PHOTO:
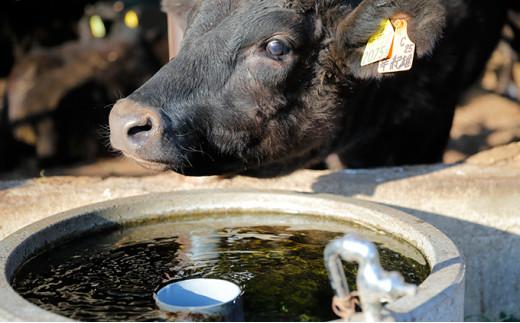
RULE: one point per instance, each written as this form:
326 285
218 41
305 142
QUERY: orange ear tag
379 44
403 51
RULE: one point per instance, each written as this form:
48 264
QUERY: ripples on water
111 276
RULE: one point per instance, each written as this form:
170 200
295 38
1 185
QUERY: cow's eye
277 48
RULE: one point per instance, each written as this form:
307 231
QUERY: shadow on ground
367 180
11 184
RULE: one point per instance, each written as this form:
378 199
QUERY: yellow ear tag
403 51
379 44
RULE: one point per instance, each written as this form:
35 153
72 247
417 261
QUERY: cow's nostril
136 129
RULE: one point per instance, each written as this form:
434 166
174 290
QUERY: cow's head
260 86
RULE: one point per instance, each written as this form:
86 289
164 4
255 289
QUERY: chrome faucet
375 285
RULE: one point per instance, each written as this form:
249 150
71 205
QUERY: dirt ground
485 120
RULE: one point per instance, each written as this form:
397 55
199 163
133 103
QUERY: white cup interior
199 292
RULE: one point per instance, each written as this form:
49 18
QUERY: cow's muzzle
137 131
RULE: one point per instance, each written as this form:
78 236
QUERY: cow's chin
206 165
152 165
215 169
286 166
275 169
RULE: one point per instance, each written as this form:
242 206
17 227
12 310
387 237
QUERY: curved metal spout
375 285
334 266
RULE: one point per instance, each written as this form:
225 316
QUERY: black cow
263 87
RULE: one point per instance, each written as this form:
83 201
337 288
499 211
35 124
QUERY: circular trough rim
445 260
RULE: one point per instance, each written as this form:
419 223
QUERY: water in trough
277 259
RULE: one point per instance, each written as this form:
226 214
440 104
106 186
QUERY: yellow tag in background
379 44
403 51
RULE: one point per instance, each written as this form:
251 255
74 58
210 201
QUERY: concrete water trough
440 297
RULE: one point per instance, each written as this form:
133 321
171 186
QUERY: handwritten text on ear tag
403 51
379 44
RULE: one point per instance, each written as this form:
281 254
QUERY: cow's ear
177 11
425 20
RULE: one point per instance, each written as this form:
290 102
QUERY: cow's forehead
211 6
300 5
228 15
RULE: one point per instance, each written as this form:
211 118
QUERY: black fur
230 108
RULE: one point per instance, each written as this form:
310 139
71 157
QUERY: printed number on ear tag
403 51
379 44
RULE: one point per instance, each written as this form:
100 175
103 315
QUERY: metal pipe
332 255
375 285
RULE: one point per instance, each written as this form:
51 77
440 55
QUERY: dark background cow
62 65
